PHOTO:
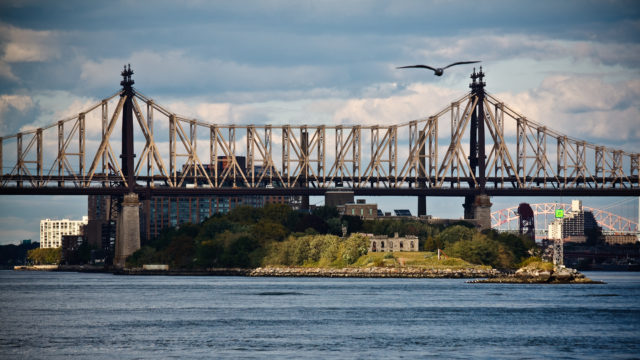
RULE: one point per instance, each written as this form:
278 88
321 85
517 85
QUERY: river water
46 315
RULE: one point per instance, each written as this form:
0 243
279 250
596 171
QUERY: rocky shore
373 272
536 276
522 276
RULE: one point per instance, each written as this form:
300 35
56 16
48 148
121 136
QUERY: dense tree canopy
276 235
45 256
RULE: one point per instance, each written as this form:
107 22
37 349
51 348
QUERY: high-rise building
51 231
573 224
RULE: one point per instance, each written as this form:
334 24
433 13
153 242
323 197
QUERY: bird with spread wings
438 71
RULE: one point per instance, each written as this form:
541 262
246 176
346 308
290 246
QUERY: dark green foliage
354 223
499 250
216 225
279 213
310 221
455 233
245 215
12 255
145 255
334 226
180 253
81 256
518 245
237 249
267 231
326 212
464 223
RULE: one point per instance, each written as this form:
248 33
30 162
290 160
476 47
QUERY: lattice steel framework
422 156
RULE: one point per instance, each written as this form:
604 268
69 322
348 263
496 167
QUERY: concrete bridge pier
478 208
127 229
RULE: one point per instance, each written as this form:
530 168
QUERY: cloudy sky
571 65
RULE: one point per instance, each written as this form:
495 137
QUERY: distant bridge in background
507 219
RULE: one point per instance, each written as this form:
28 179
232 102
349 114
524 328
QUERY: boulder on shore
533 275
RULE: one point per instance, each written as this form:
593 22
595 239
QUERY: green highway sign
559 213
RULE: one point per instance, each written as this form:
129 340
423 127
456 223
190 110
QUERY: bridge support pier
478 208
422 205
127 229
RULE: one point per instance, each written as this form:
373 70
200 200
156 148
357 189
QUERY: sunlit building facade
51 231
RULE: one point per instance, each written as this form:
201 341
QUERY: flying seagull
438 71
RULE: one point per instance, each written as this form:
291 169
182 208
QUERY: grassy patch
534 263
421 259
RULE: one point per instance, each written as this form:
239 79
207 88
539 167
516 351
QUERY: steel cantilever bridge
462 150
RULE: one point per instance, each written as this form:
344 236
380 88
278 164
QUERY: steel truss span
443 154
609 221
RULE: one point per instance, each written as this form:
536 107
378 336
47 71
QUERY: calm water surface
102 316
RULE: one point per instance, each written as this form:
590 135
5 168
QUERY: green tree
180 253
352 248
238 248
144 255
334 226
208 252
432 244
455 233
482 250
267 231
278 213
45 256
245 214
326 212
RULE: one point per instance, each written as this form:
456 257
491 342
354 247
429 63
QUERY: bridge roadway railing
425 156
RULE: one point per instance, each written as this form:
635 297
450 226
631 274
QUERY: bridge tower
478 206
128 222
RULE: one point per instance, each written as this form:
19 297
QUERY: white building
51 231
